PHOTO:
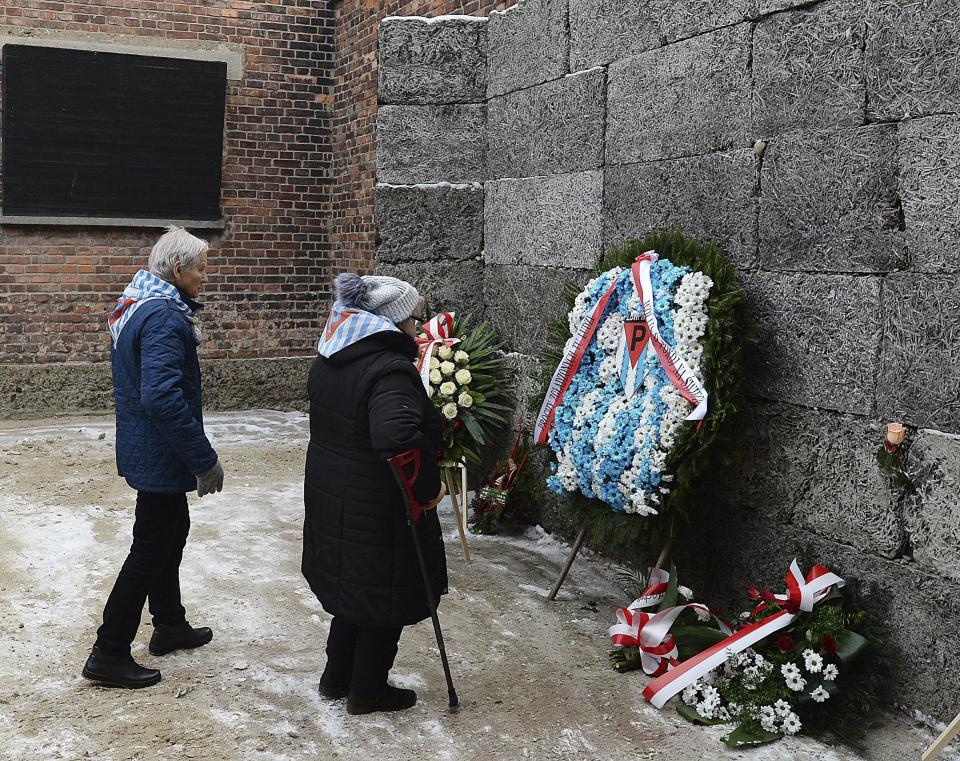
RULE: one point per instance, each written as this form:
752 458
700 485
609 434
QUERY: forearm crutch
406 468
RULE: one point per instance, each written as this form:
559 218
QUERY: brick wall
353 237
270 265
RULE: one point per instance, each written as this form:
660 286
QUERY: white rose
448 388
434 363
445 352
463 377
465 400
449 411
447 368
435 377
461 358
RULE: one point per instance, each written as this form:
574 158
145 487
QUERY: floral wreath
630 444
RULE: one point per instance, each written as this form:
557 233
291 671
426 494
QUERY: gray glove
211 480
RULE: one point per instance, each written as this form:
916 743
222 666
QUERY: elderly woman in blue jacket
162 452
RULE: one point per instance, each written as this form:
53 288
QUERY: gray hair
175 245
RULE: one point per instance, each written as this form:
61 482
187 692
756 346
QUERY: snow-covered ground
532 675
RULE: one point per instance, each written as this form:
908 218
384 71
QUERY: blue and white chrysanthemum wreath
610 445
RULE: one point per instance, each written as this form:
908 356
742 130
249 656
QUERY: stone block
818 339
829 202
431 143
552 128
911 58
919 379
604 32
930 191
241 384
429 222
818 471
522 301
688 98
75 388
439 60
919 611
932 513
550 221
446 286
527 44
808 69
709 196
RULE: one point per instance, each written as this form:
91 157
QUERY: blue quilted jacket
161 446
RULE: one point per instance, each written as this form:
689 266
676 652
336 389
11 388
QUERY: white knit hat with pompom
390 297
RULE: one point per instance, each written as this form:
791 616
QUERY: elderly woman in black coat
367 403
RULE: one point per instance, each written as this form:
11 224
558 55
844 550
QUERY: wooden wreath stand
943 741
458 497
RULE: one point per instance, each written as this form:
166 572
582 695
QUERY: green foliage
699 459
465 435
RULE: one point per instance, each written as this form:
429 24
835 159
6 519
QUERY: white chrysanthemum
812 661
447 368
791 724
449 411
465 400
461 357
448 389
830 672
689 695
723 714
768 724
610 332
435 377
819 695
764 711
796 683
782 707
445 352
789 670
609 370
706 710
685 592
463 377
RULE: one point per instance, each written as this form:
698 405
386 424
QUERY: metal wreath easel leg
458 497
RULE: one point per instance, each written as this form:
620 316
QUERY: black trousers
360 656
151 570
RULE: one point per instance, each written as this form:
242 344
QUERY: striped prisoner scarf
347 325
144 287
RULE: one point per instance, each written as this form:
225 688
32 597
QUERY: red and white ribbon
801 595
573 353
650 633
437 331
678 371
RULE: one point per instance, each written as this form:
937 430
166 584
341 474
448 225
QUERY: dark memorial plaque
89 134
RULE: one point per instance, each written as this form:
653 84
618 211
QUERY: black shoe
118 671
391 699
332 692
331 687
166 639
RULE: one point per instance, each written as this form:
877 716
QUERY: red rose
792 607
753 593
828 644
785 643
767 596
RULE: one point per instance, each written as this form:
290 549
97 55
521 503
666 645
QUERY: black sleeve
396 411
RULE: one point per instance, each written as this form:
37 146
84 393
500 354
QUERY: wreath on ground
620 458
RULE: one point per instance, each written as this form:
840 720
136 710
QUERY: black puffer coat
367 403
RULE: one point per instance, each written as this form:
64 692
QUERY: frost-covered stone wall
819 143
